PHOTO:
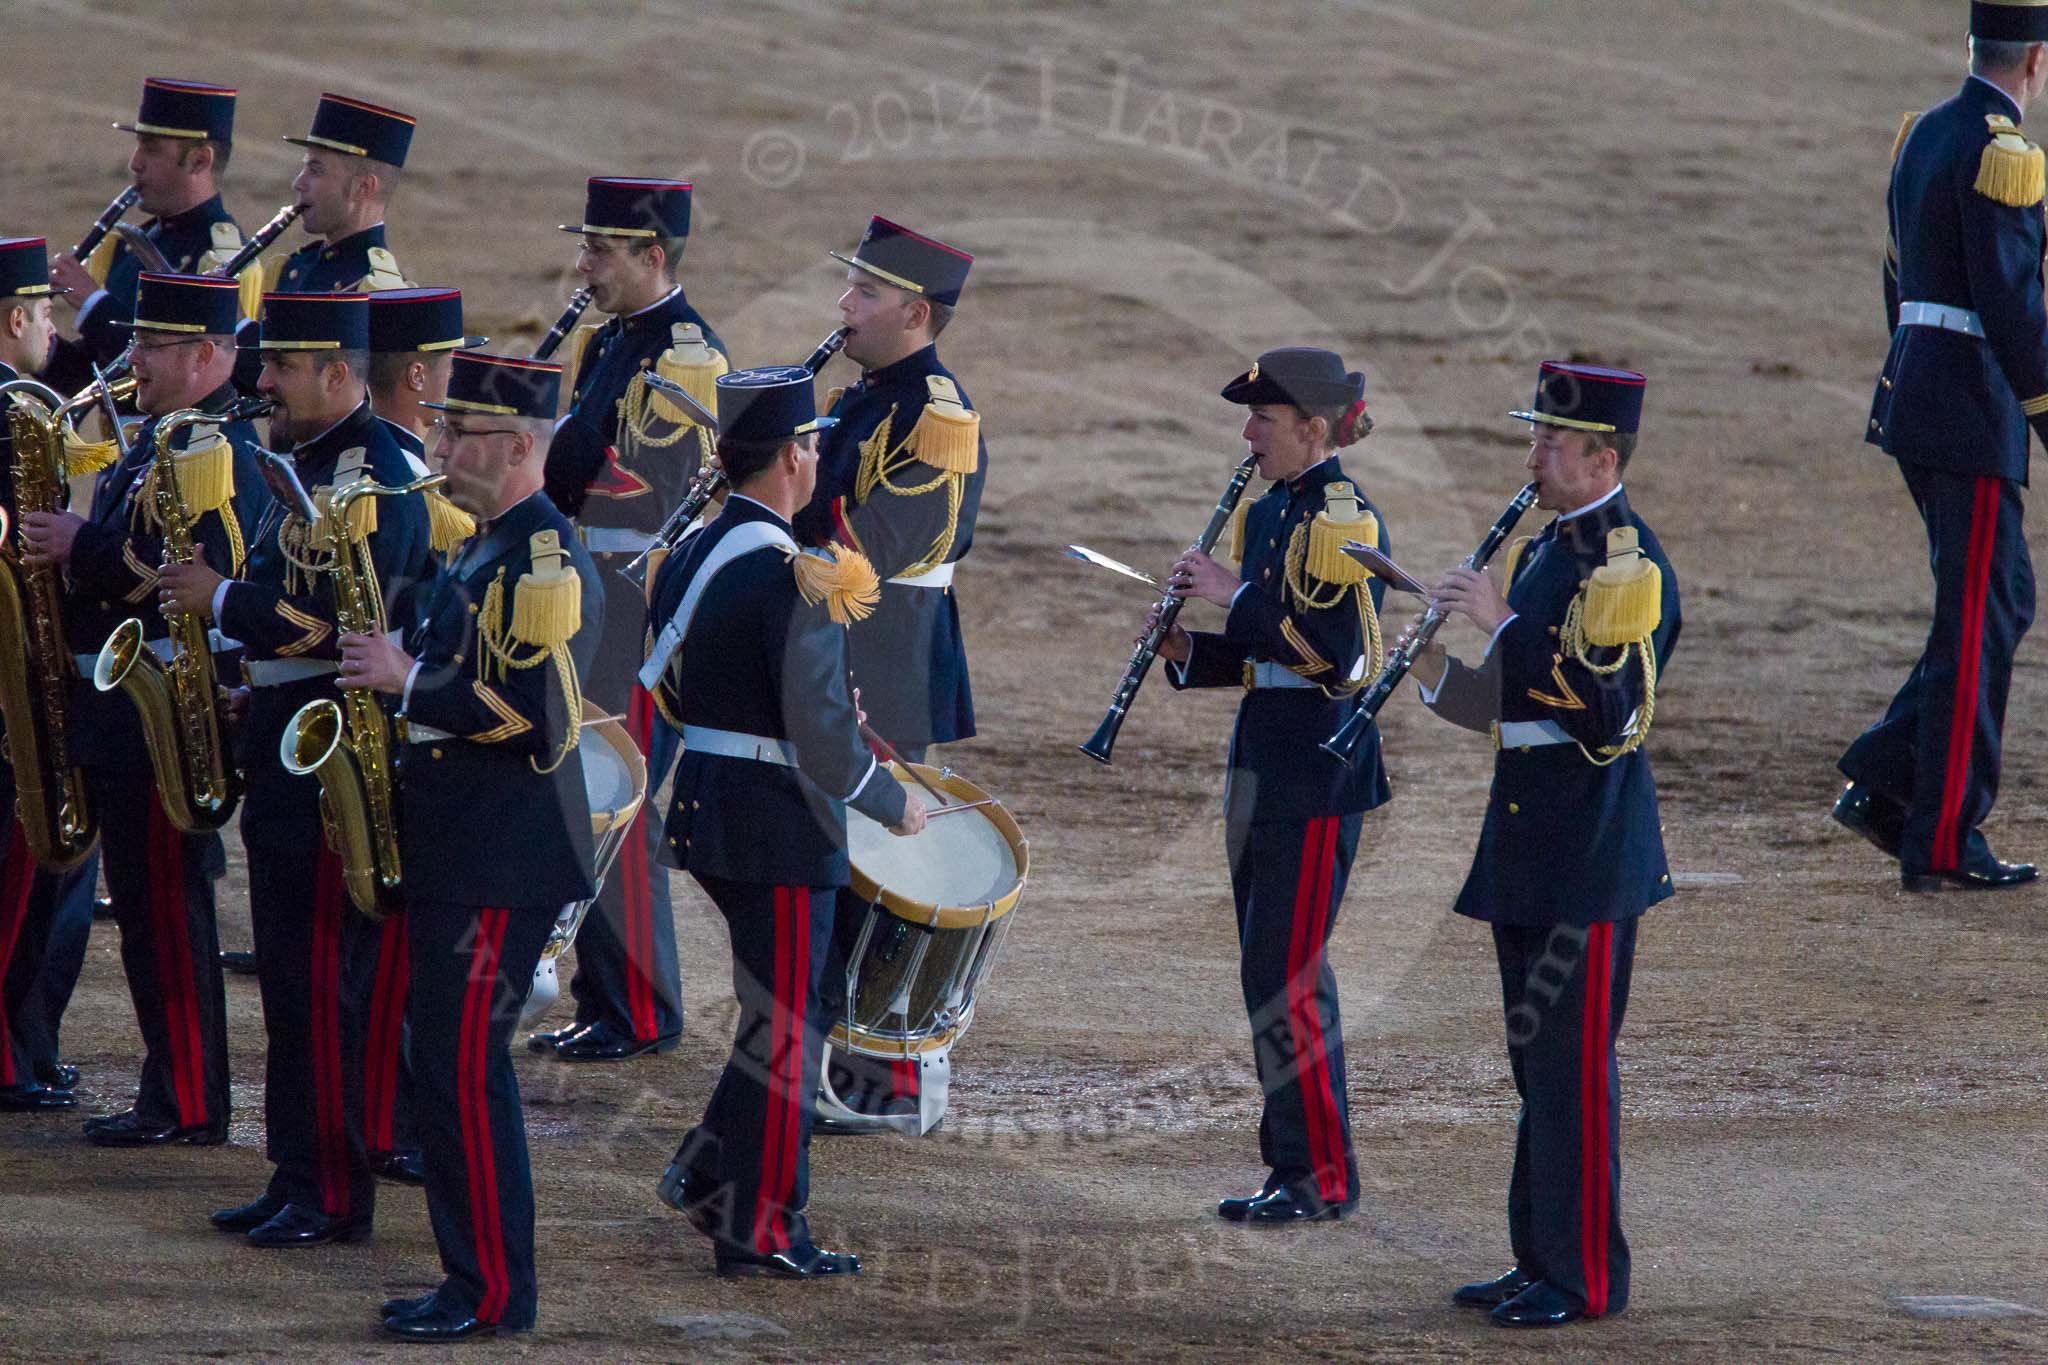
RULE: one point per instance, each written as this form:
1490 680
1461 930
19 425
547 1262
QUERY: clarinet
564 325
104 224
260 243
1401 658
1104 739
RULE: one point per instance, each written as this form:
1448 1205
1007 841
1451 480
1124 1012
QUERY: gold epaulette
1342 519
87 457
101 260
1517 547
1905 131
846 583
384 272
2011 171
578 343
227 240
1624 598
206 476
547 603
362 513
948 433
832 397
690 362
1237 522
448 525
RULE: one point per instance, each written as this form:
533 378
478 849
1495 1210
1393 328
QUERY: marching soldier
309 940
621 458
752 659
413 335
184 132
1966 377
1301 638
899 479
45 917
1571 852
495 835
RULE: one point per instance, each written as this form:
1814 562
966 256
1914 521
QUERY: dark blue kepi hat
24 266
2009 21
769 405
1304 377
634 206
502 385
187 109
1586 398
910 260
403 320
194 305
356 128
310 322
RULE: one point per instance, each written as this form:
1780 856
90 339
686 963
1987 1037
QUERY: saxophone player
309 942
1301 638
45 917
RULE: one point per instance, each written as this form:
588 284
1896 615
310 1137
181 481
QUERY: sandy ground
1833 1094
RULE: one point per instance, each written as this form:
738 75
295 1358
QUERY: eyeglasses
153 346
440 427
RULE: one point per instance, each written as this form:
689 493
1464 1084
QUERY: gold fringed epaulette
832 397
1517 547
384 272
1237 520
101 260
845 583
1625 596
1905 131
448 525
226 241
362 518
2012 171
948 433
87 457
1342 519
206 476
690 362
547 604
578 344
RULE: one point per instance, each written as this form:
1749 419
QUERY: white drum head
957 860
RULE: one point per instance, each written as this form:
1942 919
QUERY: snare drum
615 783
939 904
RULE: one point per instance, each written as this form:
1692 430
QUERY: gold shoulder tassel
691 362
1512 561
1237 520
2011 171
448 524
87 457
579 342
845 583
101 260
206 476
547 604
1342 519
948 433
1905 131
1625 596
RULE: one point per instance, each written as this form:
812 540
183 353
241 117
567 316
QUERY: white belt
1942 316
616 540
703 739
1269 674
940 577
216 643
416 733
275 672
1530 734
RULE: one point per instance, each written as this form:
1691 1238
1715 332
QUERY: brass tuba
36 666
178 700
347 744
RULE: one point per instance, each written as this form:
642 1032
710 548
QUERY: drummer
749 655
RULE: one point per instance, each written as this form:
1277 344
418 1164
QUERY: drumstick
964 805
888 751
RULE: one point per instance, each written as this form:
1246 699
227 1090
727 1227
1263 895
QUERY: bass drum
615 783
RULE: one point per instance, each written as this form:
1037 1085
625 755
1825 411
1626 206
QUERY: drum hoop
870 1045
931 916
615 735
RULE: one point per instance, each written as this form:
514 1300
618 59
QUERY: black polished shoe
102 907
801 1263
1238 1209
1539 1306
34 1099
447 1324
237 961
1493 1293
404 1168
127 1129
603 1043
58 1075
243 1217
410 1308
1879 819
1285 1206
548 1042
1989 876
298 1225
688 1198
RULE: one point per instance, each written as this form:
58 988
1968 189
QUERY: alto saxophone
347 744
179 699
36 667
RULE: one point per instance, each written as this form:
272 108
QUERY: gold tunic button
1873 424
1665 878
1514 809
1886 381
436 753
472 609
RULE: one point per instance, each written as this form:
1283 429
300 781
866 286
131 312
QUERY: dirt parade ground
1833 1106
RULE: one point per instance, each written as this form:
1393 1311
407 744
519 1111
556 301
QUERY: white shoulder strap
742 539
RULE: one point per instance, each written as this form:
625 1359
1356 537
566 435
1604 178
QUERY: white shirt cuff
220 598
861 785
1240 589
411 676
1512 617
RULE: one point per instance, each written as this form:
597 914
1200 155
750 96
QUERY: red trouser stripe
381 1047
330 1123
1304 970
16 878
473 1061
177 987
1962 722
635 895
1595 1117
779 1130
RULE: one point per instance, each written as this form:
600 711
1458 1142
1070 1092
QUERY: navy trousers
1564 989
45 919
162 888
748 1162
471 970
1288 878
1936 752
